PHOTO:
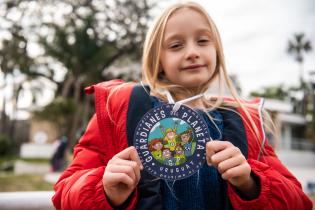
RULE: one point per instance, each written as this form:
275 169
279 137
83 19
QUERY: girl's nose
192 52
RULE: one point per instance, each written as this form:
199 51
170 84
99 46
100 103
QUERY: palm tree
297 47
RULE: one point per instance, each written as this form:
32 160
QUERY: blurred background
50 50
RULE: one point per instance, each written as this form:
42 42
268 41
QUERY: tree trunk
77 89
70 79
12 123
4 118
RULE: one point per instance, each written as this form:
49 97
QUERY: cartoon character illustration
179 155
155 147
167 157
170 136
187 142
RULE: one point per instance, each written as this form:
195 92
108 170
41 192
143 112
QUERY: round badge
171 145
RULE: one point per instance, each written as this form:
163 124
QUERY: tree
14 61
92 36
298 46
272 92
83 38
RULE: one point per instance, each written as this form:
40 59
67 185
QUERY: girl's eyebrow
204 30
179 36
172 37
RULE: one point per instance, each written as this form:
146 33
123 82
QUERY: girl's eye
175 46
203 41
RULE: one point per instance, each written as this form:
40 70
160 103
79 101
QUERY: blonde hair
151 70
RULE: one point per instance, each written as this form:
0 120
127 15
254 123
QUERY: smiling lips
192 67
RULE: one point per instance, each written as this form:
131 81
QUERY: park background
51 50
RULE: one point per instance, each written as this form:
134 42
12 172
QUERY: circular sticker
171 145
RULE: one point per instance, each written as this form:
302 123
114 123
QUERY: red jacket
80 186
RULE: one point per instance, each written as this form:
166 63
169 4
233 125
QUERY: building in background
290 127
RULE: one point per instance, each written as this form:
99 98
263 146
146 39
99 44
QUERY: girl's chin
196 83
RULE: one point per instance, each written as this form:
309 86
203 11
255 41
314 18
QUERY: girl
170 136
156 147
182 57
186 140
168 157
179 155
170 139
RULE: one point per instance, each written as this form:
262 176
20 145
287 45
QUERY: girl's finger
217 145
236 172
121 162
230 163
115 178
225 154
130 153
123 169
213 147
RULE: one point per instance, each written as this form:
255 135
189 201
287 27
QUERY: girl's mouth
192 67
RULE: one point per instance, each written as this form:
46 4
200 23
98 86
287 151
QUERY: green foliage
13 55
298 45
272 92
82 37
4 145
93 35
83 55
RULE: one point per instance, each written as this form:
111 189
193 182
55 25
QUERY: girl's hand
232 165
122 175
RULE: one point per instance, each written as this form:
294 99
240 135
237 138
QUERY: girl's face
158 146
170 134
179 150
166 153
188 55
185 137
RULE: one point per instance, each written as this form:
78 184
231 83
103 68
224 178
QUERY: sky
255 36
156 132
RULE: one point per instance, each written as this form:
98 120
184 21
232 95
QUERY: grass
9 182
30 160
4 159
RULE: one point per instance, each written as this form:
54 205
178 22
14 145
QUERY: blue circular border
193 163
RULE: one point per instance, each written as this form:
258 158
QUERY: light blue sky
167 123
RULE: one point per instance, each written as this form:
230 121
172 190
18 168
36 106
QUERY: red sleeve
80 186
279 189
